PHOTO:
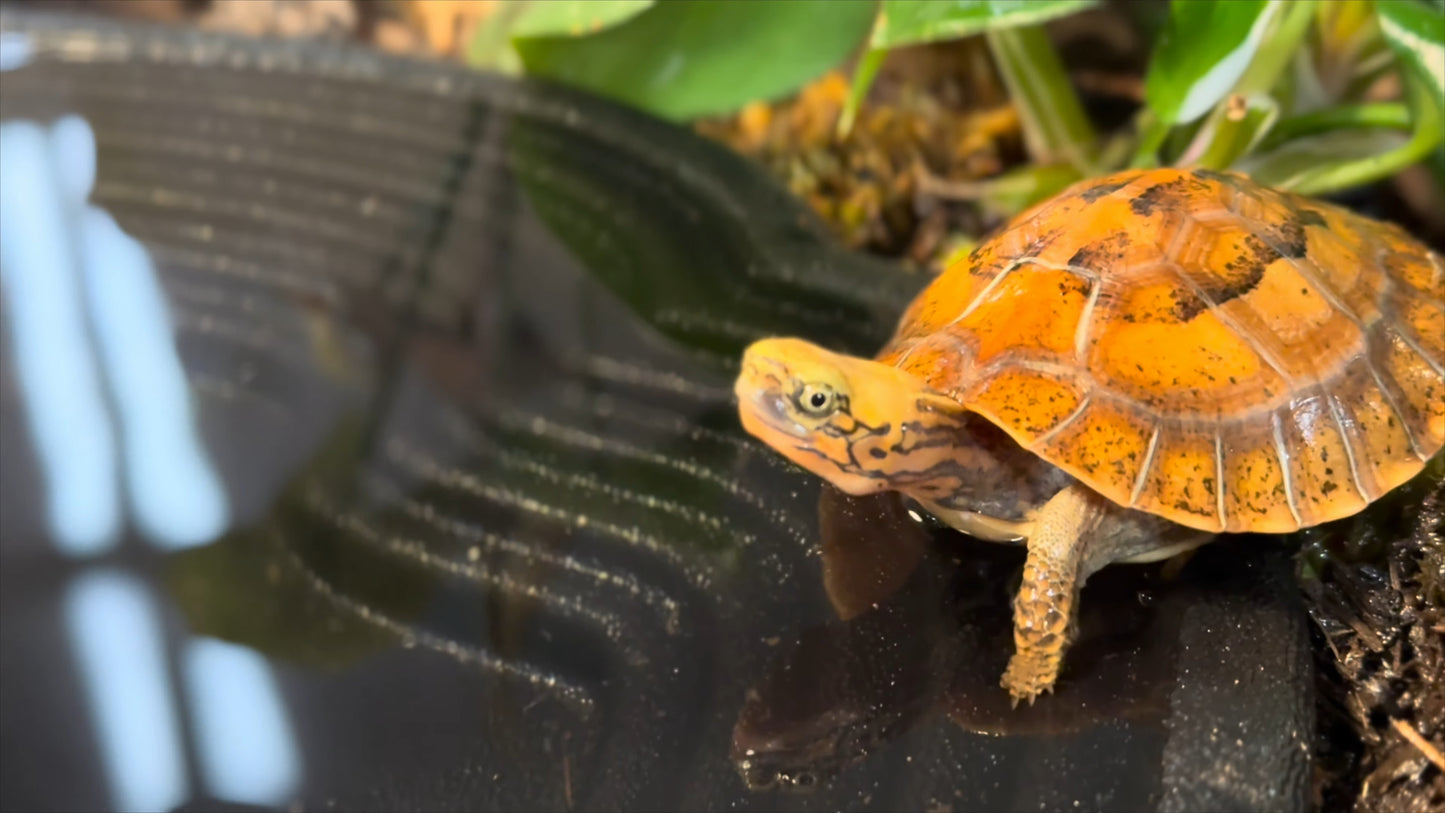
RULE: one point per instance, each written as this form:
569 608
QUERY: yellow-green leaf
908 21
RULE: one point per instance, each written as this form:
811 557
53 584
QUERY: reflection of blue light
247 754
72 144
54 366
15 50
116 634
173 489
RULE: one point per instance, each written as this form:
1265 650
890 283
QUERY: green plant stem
863 76
1280 46
1052 118
1152 134
1391 115
1231 138
1427 138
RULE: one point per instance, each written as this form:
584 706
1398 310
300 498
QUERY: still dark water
368 444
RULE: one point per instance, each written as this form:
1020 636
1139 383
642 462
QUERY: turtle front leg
1053 574
1073 535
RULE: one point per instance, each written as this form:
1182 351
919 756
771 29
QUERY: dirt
1377 596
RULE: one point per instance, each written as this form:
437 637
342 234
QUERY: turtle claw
1028 677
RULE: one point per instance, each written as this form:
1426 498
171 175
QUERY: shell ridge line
1033 365
1082 272
1283 454
1395 408
1225 319
1410 342
1219 478
1086 319
907 353
1333 401
1143 476
986 290
1058 427
1305 267
1437 275
1291 383
1008 359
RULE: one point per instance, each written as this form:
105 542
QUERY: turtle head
840 417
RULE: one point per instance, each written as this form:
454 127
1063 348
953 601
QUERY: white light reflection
115 632
15 50
64 406
247 752
86 310
173 488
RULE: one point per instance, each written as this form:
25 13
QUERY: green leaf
910 21
1054 125
1416 33
682 60
1340 166
1301 162
491 45
863 75
1392 115
574 18
1205 48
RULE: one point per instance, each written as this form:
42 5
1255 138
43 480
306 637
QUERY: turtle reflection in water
1143 362
923 630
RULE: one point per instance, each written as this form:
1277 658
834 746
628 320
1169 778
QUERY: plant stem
1152 134
1429 123
1053 121
863 76
1272 59
1392 115
1232 137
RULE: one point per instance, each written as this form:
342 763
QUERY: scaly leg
1073 535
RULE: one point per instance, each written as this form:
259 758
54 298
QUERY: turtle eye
817 400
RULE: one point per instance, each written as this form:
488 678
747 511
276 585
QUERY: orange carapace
1141 362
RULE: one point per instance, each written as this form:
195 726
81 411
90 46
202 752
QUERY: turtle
1123 372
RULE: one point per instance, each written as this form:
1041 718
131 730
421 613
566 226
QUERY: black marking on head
1241 275
1101 190
1101 254
1169 194
1310 217
915 435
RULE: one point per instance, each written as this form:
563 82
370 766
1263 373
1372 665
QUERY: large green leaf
1416 32
491 44
908 21
574 17
1205 48
682 60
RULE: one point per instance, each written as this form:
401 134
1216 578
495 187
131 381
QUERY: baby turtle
1142 362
